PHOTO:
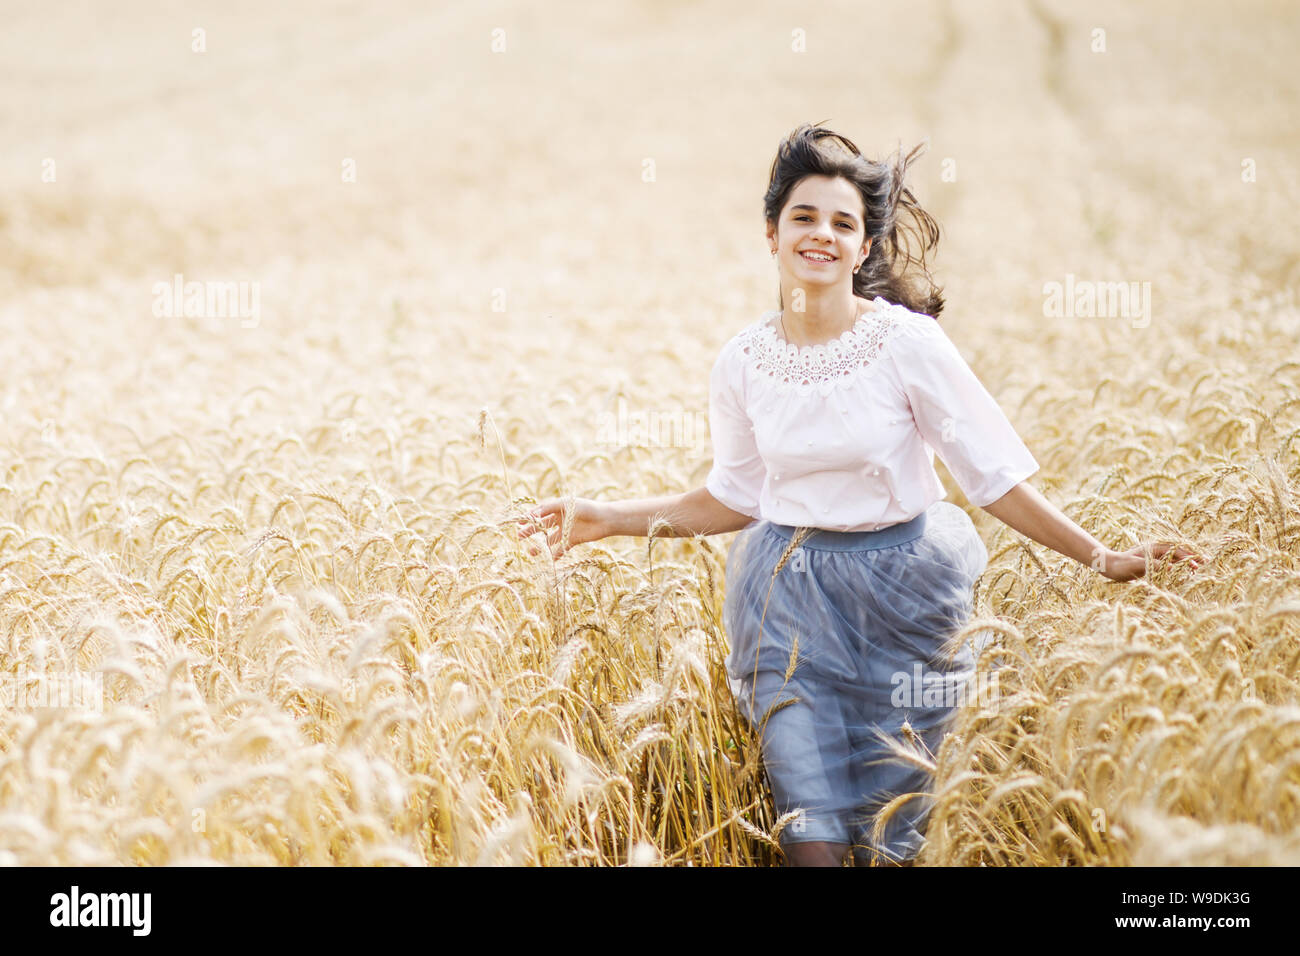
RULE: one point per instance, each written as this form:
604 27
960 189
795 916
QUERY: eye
846 225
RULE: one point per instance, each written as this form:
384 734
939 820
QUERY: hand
1126 565
549 516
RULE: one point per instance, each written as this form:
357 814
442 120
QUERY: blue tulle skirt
872 614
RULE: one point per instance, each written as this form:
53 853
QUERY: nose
821 231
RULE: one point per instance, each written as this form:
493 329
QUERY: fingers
557 551
552 545
534 549
549 516
542 517
1149 553
549 523
1179 553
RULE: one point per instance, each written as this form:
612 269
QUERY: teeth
818 256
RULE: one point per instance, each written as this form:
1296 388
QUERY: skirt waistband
825 540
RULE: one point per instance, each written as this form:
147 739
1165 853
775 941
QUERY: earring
773 252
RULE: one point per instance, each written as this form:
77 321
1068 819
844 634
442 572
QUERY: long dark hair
892 269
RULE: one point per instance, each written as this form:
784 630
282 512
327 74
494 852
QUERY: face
824 215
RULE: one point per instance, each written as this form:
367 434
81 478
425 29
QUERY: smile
818 256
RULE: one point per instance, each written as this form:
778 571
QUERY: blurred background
500 154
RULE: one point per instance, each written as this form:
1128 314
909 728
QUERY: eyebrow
839 212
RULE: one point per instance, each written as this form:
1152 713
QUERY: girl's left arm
1024 509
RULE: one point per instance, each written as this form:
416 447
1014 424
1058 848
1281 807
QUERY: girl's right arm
683 515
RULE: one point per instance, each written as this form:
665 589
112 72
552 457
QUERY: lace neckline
842 338
826 365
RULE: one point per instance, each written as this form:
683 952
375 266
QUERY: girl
851 571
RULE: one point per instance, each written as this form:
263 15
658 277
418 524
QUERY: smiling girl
825 416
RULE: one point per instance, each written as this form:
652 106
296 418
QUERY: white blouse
843 435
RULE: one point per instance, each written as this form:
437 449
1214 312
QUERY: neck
827 315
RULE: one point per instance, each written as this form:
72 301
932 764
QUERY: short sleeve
738 472
956 415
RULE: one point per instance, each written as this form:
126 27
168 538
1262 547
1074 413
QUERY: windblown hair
901 231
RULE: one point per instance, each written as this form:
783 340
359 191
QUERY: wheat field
261 600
